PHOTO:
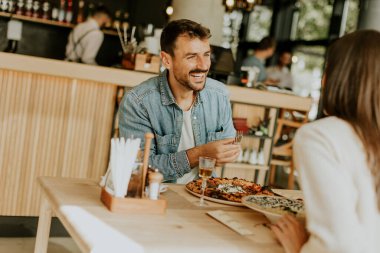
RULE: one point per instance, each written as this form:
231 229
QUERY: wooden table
184 228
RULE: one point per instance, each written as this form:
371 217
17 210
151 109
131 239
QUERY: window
259 23
313 19
307 70
352 16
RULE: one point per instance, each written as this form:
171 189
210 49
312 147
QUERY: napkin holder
138 204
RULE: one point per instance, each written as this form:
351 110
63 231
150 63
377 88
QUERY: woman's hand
291 233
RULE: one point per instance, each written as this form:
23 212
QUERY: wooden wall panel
52 126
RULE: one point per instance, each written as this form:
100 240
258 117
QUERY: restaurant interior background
305 26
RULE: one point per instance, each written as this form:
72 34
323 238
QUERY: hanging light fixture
242 5
169 10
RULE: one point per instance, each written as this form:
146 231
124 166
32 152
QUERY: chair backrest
282 155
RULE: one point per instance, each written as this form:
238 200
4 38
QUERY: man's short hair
102 9
180 27
266 43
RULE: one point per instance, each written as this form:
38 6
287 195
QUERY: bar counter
56 119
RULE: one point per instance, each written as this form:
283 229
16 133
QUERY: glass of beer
206 167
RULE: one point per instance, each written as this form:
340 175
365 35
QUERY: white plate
220 201
272 206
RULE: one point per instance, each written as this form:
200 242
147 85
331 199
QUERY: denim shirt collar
167 97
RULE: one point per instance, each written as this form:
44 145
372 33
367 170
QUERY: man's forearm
193 155
172 165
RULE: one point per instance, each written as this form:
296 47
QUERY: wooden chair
283 155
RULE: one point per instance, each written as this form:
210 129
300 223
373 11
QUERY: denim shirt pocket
214 136
166 143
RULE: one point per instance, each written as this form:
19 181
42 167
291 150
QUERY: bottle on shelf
20 7
11 6
29 8
46 10
61 11
36 9
4 5
69 11
80 16
54 13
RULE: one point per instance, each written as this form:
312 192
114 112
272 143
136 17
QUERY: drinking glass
206 167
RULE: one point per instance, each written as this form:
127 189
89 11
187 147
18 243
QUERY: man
264 50
189 113
86 38
281 73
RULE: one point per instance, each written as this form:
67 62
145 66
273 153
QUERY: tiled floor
26 245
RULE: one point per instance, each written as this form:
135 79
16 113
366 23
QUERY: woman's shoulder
327 126
327 130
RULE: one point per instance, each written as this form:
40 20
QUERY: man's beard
185 81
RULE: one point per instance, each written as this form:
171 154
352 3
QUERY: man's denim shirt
151 107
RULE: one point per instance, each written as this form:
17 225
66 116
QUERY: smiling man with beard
189 114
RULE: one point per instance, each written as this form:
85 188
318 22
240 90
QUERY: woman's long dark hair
352 91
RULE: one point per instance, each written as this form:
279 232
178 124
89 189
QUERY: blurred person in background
280 74
86 38
263 51
338 157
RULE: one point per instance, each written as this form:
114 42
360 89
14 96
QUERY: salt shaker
155 179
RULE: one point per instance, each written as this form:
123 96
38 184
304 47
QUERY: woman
338 157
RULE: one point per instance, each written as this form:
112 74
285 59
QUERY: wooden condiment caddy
140 204
148 63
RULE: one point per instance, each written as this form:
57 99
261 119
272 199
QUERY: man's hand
274 82
291 233
224 151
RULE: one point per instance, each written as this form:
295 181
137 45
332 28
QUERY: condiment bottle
155 179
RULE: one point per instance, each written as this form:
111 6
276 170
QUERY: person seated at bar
280 73
263 51
189 114
338 157
86 38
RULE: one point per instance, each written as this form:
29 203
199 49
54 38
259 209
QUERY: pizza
229 189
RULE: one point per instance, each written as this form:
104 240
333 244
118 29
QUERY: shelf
48 22
246 166
36 20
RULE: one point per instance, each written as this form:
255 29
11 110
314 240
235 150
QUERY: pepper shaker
155 178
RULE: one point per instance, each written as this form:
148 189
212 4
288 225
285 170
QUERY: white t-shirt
186 142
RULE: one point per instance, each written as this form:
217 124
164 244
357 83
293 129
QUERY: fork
238 137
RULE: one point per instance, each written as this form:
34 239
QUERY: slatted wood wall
51 126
